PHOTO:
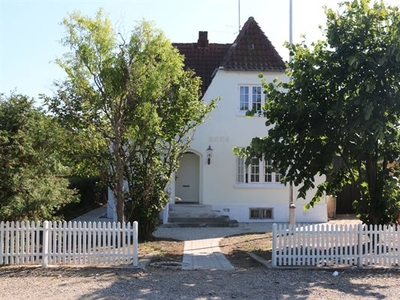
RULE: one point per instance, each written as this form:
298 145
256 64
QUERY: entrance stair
197 215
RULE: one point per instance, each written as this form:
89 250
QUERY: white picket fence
68 243
327 245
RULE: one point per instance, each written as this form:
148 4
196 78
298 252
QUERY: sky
30 30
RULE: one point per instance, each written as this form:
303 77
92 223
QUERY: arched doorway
187 178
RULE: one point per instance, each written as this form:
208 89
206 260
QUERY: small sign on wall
218 139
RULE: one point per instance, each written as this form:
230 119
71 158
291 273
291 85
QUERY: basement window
261 213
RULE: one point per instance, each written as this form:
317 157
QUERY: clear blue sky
31 31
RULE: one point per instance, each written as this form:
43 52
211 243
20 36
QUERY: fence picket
124 236
396 243
95 242
135 234
28 233
85 241
342 246
30 242
69 242
389 237
79 242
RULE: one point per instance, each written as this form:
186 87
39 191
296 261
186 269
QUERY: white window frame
251 98
264 213
256 174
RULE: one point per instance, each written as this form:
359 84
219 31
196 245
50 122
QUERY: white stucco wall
226 129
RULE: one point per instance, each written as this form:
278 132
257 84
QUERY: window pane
270 173
254 214
240 170
244 98
268 177
267 213
255 170
267 171
256 98
278 177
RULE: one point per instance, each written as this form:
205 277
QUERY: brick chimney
203 39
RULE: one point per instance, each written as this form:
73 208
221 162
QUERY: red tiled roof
203 60
251 51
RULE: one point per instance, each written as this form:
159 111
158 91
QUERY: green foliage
134 105
343 101
32 183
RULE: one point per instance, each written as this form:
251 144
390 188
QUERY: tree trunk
119 169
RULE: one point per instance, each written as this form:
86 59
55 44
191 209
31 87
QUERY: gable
251 51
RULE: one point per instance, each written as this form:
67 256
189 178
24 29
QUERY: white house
230 71
222 182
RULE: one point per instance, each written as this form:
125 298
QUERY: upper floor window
259 171
252 99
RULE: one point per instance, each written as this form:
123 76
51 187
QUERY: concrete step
197 215
192 211
210 220
231 223
190 207
193 214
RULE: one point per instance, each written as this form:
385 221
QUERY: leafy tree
32 185
343 100
137 106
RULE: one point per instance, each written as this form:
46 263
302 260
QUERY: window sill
259 186
241 113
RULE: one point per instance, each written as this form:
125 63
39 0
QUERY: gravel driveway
257 283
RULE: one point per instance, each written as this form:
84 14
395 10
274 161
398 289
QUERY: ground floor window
259 171
261 213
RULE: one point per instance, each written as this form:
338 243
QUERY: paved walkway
204 254
201 247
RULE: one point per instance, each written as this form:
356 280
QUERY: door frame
200 177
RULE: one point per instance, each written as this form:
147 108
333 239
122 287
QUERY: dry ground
235 248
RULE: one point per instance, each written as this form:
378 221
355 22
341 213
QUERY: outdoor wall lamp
209 152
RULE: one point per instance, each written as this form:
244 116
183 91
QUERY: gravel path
258 283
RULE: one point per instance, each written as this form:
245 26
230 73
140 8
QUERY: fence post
3 249
45 244
135 243
274 229
359 252
292 216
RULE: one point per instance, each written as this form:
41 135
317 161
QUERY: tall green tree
135 103
32 183
343 100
